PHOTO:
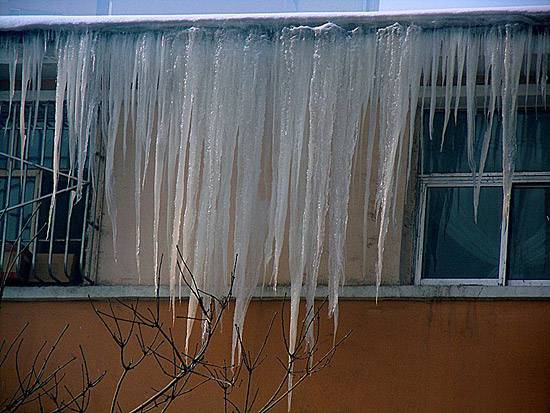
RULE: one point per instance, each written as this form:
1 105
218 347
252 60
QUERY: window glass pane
18 217
48 152
64 152
35 147
7 133
529 233
4 147
61 217
453 157
533 141
455 246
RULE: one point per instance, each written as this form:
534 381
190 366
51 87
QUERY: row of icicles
202 101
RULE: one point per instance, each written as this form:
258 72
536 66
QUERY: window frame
465 179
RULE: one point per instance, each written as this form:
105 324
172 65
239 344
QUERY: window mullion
461 179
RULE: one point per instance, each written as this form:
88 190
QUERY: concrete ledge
401 292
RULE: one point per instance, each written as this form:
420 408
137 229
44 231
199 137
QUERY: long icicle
61 85
514 47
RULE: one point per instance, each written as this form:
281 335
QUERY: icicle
229 141
394 49
185 83
415 73
325 83
542 69
539 75
193 107
59 98
115 85
40 51
201 248
450 56
273 148
472 58
371 134
346 132
296 206
545 38
12 66
147 75
73 62
436 54
409 72
87 110
295 95
527 68
177 92
208 256
371 106
514 47
164 88
492 64
28 57
462 41
251 117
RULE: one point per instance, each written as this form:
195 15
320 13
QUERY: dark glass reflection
529 233
533 141
453 156
16 218
455 246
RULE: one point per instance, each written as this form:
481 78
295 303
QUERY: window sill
400 292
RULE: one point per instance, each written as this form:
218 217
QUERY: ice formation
213 113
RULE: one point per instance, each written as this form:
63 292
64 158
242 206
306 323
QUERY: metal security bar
28 253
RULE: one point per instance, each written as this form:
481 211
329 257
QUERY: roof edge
538 16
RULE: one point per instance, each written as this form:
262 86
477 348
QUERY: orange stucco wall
440 356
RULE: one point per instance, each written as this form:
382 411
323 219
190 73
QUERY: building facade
396 164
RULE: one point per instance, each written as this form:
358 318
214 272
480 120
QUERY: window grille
28 254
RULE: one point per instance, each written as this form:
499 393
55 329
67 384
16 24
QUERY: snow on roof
539 16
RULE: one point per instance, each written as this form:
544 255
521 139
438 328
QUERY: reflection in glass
453 156
533 141
529 238
455 246
16 218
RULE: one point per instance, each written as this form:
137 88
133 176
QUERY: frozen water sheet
248 132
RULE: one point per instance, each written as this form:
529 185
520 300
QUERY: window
457 247
27 254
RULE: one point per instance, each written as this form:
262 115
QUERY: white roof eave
539 16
